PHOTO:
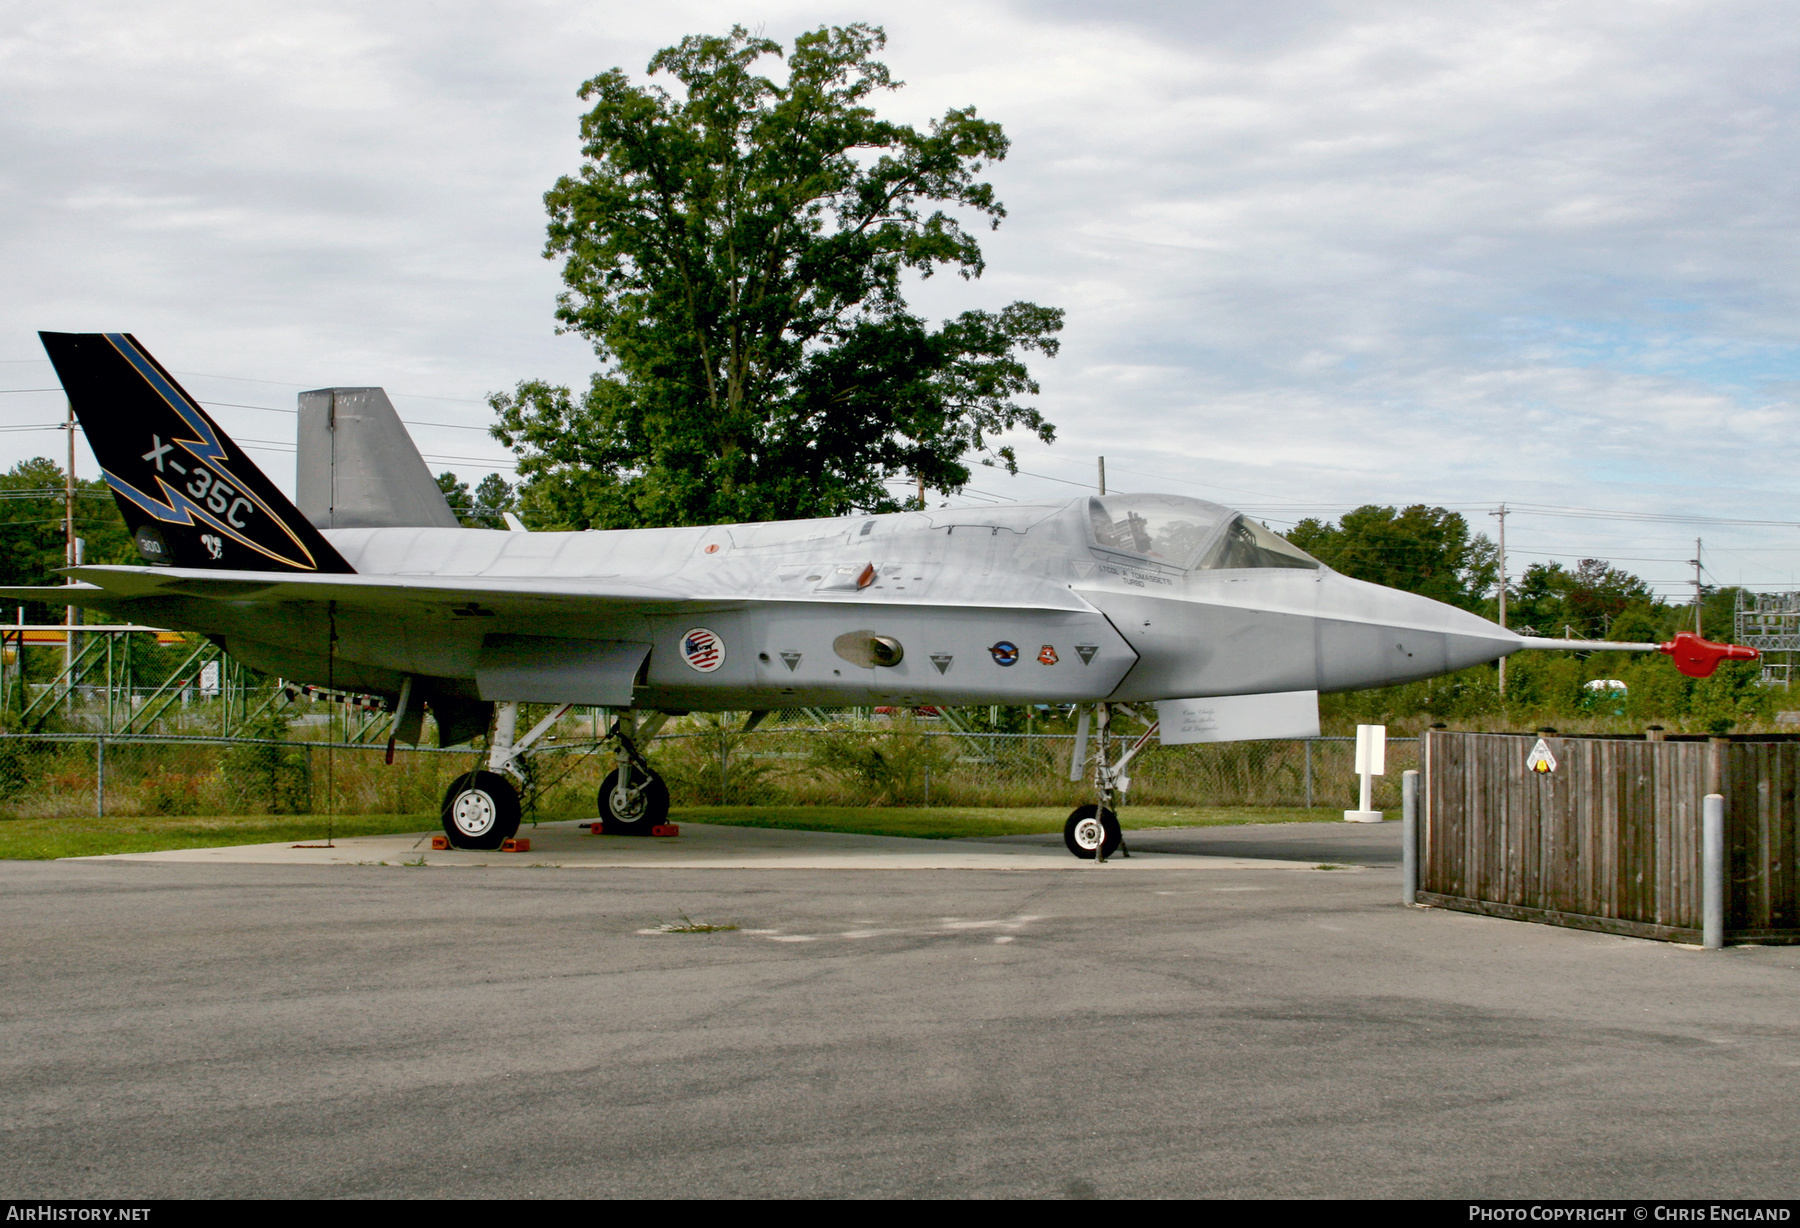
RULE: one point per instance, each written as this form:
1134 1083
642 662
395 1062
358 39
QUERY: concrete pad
706 846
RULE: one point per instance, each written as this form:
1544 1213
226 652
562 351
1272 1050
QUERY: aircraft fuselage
1011 604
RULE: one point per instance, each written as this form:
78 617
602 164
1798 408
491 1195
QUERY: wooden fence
1610 840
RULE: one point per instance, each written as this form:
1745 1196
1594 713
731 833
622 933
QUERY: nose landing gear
1093 831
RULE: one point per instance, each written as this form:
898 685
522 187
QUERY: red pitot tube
1698 658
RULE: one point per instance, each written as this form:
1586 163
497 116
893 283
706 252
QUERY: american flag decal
703 650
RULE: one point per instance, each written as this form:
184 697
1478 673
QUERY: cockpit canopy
1188 533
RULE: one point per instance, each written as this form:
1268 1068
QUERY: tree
1588 601
1421 550
32 536
482 509
494 495
456 494
735 254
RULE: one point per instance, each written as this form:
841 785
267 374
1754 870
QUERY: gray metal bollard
1712 872
1409 837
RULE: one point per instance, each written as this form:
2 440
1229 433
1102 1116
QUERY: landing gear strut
633 798
481 808
1092 830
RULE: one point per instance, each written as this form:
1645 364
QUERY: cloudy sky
1313 254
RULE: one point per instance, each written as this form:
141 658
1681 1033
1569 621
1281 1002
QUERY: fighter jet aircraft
1192 620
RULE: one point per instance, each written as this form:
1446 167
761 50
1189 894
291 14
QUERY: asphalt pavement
240 1030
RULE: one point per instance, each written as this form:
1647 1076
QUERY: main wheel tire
1092 830
481 810
645 804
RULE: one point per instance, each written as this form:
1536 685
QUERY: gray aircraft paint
439 602
356 466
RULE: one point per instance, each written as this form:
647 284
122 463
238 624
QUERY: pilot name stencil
1133 575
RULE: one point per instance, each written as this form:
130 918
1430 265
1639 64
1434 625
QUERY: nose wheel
481 809
1092 831
632 810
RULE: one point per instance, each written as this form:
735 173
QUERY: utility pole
1695 561
69 559
1502 516
1102 475
921 478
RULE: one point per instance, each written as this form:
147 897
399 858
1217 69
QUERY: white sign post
1371 761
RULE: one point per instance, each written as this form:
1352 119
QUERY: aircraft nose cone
1375 636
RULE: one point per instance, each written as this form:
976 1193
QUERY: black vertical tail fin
189 494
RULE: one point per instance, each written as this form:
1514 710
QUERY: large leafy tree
735 251
1420 549
32 533
1594 601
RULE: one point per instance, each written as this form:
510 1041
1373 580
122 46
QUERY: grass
43 839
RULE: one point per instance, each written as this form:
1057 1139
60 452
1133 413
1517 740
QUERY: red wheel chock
518 844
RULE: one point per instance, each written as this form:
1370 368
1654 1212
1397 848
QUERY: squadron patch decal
1086 652
942 660
791 660
703 650
1005 653
1047 655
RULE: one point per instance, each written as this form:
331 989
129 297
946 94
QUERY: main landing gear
1092 831
633 798
481 811
481 808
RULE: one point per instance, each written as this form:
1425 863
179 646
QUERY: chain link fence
803 758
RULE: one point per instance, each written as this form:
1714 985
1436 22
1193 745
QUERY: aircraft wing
117 584
108 585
